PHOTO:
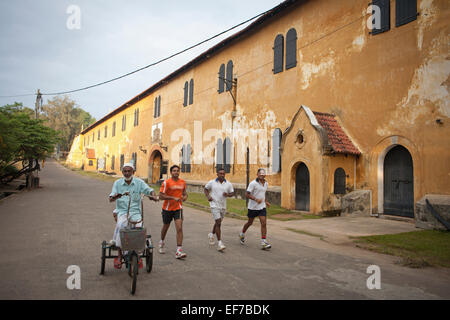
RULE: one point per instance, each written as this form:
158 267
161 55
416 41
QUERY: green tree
23 138
64 115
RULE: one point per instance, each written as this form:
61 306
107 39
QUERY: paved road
44 231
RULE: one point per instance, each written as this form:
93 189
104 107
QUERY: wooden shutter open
191 91
229 80
405 11
221 78
278 52
291 48
385 10
185 101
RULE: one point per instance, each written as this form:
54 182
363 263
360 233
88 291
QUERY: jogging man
173 192
256 193
128 186
217 191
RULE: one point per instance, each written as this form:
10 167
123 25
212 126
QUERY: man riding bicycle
123 189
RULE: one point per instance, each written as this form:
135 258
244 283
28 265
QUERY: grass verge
239 208
417 249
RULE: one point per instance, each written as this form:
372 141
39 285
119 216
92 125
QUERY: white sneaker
161 248
242 238
265 245
180 254
221 246
211 239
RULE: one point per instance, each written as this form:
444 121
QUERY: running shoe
161 248
180 254
211 239
221 246
265 245
242 238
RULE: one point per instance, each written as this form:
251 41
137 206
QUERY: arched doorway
302 188
154 172
398 183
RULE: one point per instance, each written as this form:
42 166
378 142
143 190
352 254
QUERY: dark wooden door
302 188
156 166
398 183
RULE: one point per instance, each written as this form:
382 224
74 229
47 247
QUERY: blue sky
115 37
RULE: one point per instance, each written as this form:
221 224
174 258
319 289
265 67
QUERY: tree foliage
23 138
64 115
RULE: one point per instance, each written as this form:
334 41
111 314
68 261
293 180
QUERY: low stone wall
273 194
425 219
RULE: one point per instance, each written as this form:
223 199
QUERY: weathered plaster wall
394 84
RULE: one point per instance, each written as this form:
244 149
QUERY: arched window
221 78
291 48
278 52
229 80
136 117
188 158
122 161
191 91
339 181
159 106
134 159
227 155
219 154
183 158
185 101
276 155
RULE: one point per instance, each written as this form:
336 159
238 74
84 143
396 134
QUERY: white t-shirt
216 190
257 190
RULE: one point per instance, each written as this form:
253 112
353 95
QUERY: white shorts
218 213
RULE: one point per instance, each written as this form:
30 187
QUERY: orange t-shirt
173 188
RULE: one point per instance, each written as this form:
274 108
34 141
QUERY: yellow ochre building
338 112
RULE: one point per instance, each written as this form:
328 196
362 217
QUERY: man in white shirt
256 193
217 191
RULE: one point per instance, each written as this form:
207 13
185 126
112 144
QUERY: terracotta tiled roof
338 140
90 153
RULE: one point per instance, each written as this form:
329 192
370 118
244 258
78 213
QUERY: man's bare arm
164 196
185 195
206 192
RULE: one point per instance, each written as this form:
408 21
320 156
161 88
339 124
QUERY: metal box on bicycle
133 238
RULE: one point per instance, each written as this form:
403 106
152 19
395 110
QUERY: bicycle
136 242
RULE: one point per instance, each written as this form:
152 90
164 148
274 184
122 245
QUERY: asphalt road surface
63 223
